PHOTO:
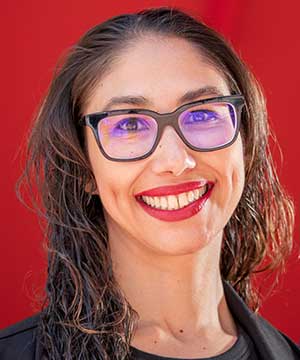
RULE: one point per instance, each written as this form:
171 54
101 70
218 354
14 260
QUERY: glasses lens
127 136
210 125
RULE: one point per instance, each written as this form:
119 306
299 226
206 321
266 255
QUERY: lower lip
179 214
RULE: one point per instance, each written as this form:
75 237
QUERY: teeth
191 197
156 202
183 201
152 201
174 202
163 203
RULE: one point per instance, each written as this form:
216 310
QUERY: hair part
85 311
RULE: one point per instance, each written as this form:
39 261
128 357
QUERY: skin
169 272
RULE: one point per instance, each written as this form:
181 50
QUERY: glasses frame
92 120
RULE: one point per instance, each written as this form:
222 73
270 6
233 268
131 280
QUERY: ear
91 188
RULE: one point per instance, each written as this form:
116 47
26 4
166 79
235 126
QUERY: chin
184 243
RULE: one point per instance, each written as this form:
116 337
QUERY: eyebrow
142 101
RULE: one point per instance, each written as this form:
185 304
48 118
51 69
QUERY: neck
179 295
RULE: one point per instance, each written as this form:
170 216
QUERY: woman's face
159 71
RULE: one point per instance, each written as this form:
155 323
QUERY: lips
173 189
179 214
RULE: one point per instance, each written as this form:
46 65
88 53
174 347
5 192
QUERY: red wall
35 33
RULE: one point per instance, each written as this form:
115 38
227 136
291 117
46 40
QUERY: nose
171 155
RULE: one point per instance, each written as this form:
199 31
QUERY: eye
131 124
201 116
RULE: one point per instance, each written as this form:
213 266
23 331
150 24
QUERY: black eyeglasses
129 135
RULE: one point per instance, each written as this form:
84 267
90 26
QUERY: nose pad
171 154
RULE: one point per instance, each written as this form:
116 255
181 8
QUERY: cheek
101 167
110 182
111 185
113 179
228 164
234 170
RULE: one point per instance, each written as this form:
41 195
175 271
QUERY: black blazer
19 341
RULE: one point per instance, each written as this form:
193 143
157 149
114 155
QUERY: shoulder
18 341
269 341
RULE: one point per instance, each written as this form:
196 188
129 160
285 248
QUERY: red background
35 33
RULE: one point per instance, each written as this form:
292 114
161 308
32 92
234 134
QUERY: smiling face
162 74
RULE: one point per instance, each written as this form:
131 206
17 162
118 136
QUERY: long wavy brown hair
85 312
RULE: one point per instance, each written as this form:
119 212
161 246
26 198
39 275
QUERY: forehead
160 70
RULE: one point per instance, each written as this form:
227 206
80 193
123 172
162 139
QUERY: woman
151 156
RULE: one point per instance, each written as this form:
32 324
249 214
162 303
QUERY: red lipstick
179 214
173 189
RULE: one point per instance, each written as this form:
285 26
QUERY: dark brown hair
85 312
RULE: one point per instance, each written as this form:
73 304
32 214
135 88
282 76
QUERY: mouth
174 202
177 206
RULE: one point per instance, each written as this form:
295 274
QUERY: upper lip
173 189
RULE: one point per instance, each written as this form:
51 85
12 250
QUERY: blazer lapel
270 343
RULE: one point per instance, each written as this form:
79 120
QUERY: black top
243 349
256 337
